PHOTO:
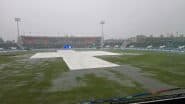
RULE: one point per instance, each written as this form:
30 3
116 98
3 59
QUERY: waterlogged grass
27 82
167 67
96 88
10 56
22 84
5 59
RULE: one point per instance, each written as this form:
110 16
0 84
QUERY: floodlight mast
17 20
102 34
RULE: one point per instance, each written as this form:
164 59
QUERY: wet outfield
25 80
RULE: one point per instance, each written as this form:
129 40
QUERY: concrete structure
144 41
37 42
113 42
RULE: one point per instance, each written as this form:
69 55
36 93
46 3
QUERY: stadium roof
60 35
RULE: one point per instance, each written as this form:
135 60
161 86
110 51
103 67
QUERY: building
156 42
8 44
1 40
36 42
113 43
140 38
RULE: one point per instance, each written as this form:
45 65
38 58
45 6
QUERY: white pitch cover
78 60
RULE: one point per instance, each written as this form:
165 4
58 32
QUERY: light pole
17 20
102 34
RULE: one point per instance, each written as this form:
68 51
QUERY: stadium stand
157 42
113 43
6 45
37 42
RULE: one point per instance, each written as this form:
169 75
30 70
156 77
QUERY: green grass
5 59
21 85
27 82
96 88
10 57
167 67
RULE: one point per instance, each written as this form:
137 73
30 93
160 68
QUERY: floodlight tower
17 20
102 33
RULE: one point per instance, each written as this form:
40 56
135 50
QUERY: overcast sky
124 18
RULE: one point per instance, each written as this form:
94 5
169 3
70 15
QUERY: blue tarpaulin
67 46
